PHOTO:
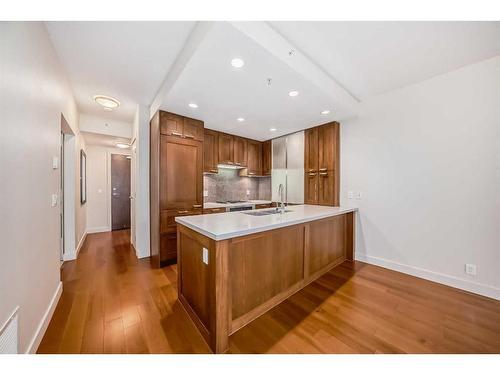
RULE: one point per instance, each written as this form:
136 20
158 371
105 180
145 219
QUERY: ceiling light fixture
237 63
107 102
293 93
240 119
122 145
272 129
193 105
325 112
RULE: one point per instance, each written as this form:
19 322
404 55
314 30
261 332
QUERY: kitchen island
233 267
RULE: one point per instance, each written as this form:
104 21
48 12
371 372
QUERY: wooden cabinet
266 158
321 164
259 206
225 148
210 151
214 210
176 179
240 151
254 162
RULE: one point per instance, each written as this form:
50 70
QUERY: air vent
8 335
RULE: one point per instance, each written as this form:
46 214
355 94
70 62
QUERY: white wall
99 125
427 161
34 92
99 188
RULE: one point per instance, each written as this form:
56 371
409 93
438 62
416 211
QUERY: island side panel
350 235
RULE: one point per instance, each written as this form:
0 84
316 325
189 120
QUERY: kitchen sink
264 212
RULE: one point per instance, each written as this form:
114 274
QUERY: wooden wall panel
326 242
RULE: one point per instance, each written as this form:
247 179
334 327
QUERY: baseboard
44 323
455 282
98 230
73 256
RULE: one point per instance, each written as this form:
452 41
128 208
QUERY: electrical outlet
471 269
54 200
359 195
55 162
248 192
205 193
350 194
205 255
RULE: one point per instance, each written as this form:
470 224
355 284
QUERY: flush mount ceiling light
193 105
325 112
122 145
272 129
107 102
293 93
237 63
240 119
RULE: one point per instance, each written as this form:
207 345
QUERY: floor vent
8 335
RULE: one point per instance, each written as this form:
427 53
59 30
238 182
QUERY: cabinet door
171 124
311 188
181 173
210 151
327 147
266 158
193 129
225 148
311 150
240 151
254 162
326 191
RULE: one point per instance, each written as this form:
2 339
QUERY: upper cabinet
193 129
225 149
240 151
266 158
254 165
179 126
321 164
210 151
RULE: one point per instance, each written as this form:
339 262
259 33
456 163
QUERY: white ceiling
130 60
370 58
125 60
103 140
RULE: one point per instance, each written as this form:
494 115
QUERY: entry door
120 192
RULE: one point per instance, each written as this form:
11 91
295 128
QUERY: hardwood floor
114 303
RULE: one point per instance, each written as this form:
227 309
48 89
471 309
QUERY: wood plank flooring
114 303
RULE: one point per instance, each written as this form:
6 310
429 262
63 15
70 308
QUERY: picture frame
83 177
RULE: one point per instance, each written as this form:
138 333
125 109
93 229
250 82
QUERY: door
210 151
120 192
61 198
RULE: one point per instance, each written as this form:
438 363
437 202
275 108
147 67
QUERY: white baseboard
71 255
44 323
98 230
468 285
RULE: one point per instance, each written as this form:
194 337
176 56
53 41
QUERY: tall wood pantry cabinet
321 164
176 179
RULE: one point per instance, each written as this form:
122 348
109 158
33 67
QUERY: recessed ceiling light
193 105
122 145
240 119
237 62
107 102
293 93
272 129
325 112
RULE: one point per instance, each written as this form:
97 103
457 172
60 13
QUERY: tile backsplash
228 185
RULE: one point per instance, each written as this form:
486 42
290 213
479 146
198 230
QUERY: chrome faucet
281 205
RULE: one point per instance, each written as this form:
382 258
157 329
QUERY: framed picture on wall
83 177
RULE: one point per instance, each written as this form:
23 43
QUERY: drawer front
214 210
167 219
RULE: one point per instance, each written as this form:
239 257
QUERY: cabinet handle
214 170
183 212
323 174
323 169
237 163
177 134
312 174
189 136
251 173
230 162
312 170
196 205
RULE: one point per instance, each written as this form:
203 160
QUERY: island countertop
227 225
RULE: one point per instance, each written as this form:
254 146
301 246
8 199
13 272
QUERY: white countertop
234 224
208 205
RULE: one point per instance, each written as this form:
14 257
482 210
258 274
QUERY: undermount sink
265 213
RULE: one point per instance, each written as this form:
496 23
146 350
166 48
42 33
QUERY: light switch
205 193
55 162
205 255
350 194
359 195
54 200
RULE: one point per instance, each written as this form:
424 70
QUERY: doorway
61 199
120 192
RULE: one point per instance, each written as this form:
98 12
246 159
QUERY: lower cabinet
257 206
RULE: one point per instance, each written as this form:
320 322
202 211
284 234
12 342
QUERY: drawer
214 210
167 218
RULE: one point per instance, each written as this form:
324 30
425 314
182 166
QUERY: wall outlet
205 255
350 194
359 195
471 269
205 193
54 200
55 162
248 192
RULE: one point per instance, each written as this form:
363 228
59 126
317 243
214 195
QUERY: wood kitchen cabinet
321 164
254 161
210 151
266 158
176 179
225 148
240 151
